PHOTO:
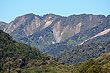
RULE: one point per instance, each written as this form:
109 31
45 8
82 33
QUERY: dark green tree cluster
12 48
98 65
85 52
20 58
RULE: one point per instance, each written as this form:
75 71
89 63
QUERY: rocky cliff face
49 29
97 34
3 26
29 23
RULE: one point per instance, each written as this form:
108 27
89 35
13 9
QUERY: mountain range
55 34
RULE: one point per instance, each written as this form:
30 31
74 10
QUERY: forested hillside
11 48
85 52
95 65
20 58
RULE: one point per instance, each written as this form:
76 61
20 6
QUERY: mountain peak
108 16
1 22
29 14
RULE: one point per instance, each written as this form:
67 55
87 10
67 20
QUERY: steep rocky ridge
3 26
99 33
50 29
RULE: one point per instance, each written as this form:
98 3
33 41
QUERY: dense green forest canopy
20 58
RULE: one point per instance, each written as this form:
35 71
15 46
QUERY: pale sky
10 9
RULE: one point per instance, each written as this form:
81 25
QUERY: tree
1 59
1 53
